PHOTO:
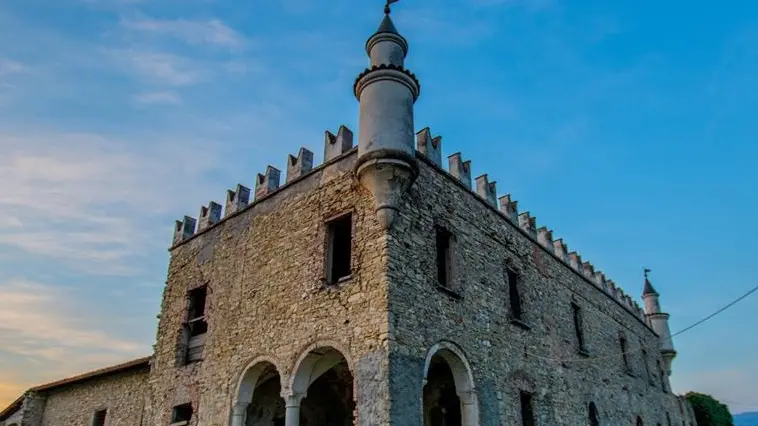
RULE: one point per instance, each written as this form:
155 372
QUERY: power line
642 348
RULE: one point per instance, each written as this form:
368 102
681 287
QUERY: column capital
239 407
467 397
292 399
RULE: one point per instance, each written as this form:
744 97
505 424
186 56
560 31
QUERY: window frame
331 224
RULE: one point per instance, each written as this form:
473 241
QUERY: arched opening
639 421
594 418
449 397
259 401
322 387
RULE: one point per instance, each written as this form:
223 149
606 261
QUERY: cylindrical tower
660 322
386 92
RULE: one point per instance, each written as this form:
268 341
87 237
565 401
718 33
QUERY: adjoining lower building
380 288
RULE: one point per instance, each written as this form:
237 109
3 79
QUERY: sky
626 127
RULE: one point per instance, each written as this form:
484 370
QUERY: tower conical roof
387 26
648 288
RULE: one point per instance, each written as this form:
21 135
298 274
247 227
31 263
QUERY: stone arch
594 417
453 357
258 372
322 387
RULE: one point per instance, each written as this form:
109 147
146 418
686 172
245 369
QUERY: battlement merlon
589 272
487 190
300 165
575 260
509 208
336 145
430 146
545 238
267 183
209 215
460 169
560 249
236 200
528 224
184 229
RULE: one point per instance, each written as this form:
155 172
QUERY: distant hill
746 419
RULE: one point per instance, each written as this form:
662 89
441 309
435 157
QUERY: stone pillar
469 408
239 412
292 405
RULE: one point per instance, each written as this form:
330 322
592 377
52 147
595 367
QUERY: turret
660 322
386 92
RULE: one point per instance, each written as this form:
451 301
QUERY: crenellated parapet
430 147
266 183
509 208
300 165
237 200
487 190
209 215
460 169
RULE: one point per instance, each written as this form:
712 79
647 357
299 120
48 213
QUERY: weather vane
647 271
387 9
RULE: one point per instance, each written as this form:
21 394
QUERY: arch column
292 407
239 411
469 408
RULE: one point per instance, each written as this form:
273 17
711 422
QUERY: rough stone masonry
379 288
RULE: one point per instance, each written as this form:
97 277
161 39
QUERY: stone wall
541 355
122 394
267 299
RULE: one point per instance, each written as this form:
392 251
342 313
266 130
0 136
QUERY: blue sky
625 127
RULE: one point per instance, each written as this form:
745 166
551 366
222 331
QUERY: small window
444 258
594 418
527 409
99 418
196 312
662 375
181 414
647 367
514 295
668 419
339 246
578 326
624 350
639 421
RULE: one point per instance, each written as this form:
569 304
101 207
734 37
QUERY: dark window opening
578 326
527 409
514 295
196 312
639 421
622 342
663 376
339 246
444 257
181 414
99 419
594 418
647 367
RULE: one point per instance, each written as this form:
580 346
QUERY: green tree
709 411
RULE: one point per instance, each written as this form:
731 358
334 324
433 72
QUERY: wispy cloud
81 197
161 67
158 98
212 32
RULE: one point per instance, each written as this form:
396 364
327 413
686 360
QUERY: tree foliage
709 411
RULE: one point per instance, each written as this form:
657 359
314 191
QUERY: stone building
380 288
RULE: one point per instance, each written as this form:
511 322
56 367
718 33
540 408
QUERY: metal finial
387 9
647 271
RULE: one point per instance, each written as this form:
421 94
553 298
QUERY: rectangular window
663 376
513 294
339 246
647 367
527 409
624 350
99 418
578 326
444 257
196 311
181 415
196 326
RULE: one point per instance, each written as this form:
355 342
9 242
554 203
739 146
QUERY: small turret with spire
660 322
386 92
